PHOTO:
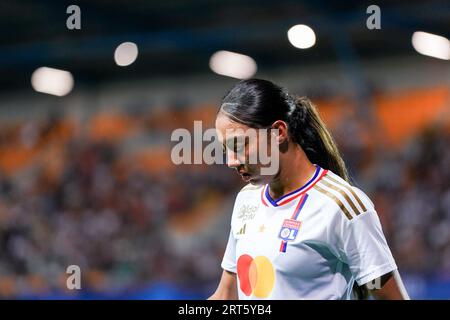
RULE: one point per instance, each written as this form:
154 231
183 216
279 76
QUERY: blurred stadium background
86 177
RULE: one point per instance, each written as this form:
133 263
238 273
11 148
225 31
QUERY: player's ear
279 131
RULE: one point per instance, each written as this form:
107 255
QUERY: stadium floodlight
52 81
431 45
301 36
232 64
125 54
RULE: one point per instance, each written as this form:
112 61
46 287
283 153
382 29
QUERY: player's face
241 145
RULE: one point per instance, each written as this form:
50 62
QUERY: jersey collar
268 201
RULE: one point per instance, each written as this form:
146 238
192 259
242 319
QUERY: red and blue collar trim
266 198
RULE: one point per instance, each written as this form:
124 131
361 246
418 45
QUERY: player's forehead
228 130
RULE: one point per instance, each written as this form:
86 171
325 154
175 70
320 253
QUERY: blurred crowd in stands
70 198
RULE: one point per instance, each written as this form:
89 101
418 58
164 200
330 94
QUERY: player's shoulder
248 194
345 198
246 206
250 190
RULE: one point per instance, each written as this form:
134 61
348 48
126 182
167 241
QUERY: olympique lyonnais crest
289 230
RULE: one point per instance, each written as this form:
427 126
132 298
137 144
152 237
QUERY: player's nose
232 160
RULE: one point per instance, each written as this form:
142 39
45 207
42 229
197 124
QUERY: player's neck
295 171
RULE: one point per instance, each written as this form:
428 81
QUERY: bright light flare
232 64
52 81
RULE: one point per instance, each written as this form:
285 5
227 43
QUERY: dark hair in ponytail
309 131
259 103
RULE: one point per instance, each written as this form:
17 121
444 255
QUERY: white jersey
312 243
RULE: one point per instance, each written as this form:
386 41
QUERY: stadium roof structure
178 37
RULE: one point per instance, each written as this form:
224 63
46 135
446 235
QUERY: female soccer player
303 232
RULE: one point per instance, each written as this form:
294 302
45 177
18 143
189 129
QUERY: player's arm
227 289
391 288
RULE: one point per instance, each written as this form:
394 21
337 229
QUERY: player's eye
238 148
241 144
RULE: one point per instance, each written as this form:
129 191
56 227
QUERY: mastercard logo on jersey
256 275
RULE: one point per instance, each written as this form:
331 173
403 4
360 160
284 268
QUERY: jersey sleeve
229 258
363 246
